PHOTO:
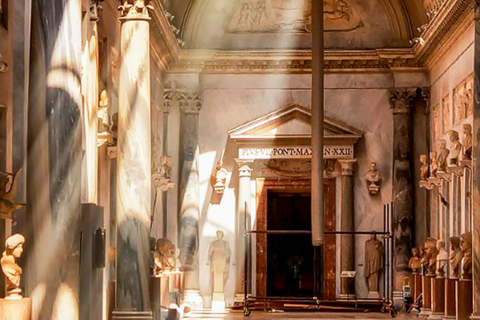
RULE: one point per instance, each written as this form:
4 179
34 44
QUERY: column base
132 315
193 299
19 309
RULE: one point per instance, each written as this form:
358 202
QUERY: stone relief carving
8 191
456 256
414 262
374 252
424 167
373 178
257 16
442 155
455 148
162 178
463 100
446 114
467 142
11 270
219 260
219 179
442 258
466 246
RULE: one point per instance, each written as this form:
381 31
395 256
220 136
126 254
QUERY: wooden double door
287 263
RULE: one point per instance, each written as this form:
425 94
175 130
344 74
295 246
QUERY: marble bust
455 148
373 179
414 262
424 167
442 155
456 256
467 141
219 261
220 178
11 270
433 164
374 252
442 258
466 246
430 258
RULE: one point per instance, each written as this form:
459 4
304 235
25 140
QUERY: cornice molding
292 61
438 29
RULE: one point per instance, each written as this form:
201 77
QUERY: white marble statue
219 260
373 178
11 270
442 258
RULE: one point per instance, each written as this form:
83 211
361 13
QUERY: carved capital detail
136 9
401 100
244 171
347 166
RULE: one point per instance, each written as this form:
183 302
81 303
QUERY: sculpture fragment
11 270
414 262
456 256
455 148
220 178
374 254
219 260
467 142
8 191
442 155
424 167
466 246
442 258
373 178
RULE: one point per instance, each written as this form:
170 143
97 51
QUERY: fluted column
242 224
190 105
402 184
476 171
347 241
133 186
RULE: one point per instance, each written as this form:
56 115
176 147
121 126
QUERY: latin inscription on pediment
293 152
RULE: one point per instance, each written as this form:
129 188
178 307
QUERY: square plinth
20 309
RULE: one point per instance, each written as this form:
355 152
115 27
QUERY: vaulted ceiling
285 24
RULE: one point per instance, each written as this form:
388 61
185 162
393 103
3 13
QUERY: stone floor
260 315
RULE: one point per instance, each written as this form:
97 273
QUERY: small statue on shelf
11 270
104 136
442 155
442 258
220 178
424 167
467 142
466 246
456 256
414 262
455 148
433 164
373 178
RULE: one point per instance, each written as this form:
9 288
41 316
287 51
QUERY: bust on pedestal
14 306
219 260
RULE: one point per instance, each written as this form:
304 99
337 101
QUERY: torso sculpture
414 262
373 179
11 270
456 256
455 147
219 260
374 252
442 155
466 246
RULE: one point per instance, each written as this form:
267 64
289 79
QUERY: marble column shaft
475 200
189 214
347 241
402 184
243 216
133 181
54 160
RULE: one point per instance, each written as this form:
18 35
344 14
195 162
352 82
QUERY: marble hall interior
162 159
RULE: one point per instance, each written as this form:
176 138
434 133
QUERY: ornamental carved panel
463 100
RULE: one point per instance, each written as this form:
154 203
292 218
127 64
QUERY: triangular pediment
293 121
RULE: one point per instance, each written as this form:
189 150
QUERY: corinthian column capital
188 101
134 9
401 100
347 166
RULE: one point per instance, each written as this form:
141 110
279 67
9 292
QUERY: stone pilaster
401 103
190 105
475 200
133 186
242 224
55 160
347 241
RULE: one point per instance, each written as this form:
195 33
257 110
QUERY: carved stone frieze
463 100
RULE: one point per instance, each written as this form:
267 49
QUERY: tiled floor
260 315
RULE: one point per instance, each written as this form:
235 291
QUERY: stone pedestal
450 298
464 299
16 309
438 299
427 295
218 301
417 285
347 241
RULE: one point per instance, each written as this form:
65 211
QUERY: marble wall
360 101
